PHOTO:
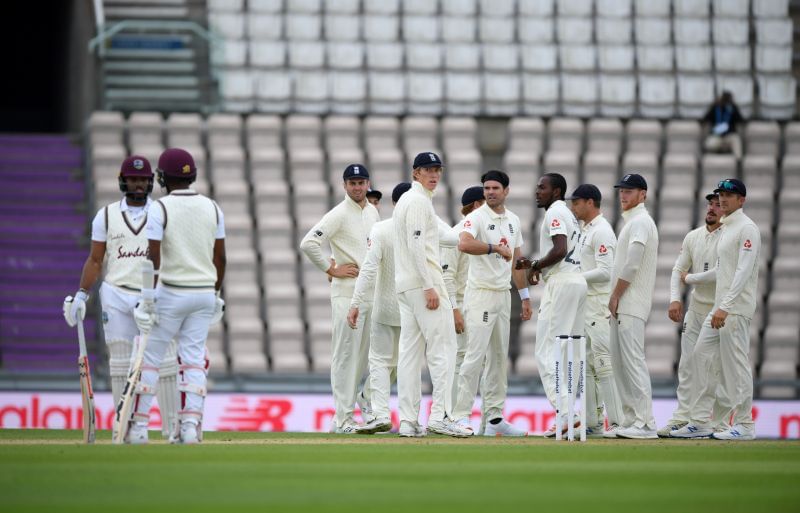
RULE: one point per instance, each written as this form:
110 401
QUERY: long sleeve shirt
375 282
737 265
346 228
698 255
639 229
455 267
598 244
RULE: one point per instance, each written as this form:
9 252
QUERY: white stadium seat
617 95
655 58
459 29
576 31
730 31
615 58
657 95
539 58
535 30
540 94
732 59
462 57
695 59
653 31
613 30
695 94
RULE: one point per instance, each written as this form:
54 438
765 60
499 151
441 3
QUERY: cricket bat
87 395
124 407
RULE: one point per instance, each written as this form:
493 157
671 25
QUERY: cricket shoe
464 423
376 426
411 430
346 429
188 434
666 430
691 431
503 428
637 433
737 432
594 432
449 428
137 435
366 408
551 432
611 432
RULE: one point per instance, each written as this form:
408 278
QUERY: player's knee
602 366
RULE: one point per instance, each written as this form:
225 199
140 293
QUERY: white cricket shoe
346 429
637 433
464 423
411 430
691 431
611 432
737 432
375 426
188 434
669 428
366 408
137 435
503 428
594 432
449 428
551 432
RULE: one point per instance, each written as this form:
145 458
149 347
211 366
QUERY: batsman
118 239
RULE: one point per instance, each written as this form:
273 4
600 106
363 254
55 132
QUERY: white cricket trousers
601 389
425 333
561 312
184 316
120 329
488 321
731 390
630 371
349 358
692 322
383 349
461 349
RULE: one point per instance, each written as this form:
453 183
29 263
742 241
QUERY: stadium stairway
42 227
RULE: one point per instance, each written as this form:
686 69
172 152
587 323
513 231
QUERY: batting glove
219 310
75 308
145 317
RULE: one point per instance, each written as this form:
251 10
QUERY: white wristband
524 293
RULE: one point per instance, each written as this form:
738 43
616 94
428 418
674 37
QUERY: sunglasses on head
728 186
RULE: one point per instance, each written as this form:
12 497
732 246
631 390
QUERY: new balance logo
491 227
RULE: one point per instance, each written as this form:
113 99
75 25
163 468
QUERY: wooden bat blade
87 401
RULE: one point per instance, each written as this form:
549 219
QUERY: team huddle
411 289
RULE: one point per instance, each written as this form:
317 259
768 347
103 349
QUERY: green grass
232 472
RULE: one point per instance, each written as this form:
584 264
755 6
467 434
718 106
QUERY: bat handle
81 339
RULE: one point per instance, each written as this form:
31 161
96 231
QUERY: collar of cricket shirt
123 204
635 211
492 213
732 218
421 189
594 220
353 204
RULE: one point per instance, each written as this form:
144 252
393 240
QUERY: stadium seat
644 135
617 95
731 8
348 92
791 138
540 94
425 93
615 59
525 147
459 7
537 8
539 58
424 57
604 136
500 57
387 93
269 54
741 86
657 95
106 128
577 57
695 94
535 31
381 28
694 8
773 59
732 59
652 7
229 25
727 31
342 27
459 29
614 8
691 31
347 56
303 27
502 94
683 136
574 31
645 164
770 8
237 90
777 96
693 59
311 92
496 30
762 138
655 58
579 94
653 31
613 30
421 29
384 56
264 26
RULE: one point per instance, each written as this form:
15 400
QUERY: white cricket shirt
598 245
698 254
121 228
375 280
737 265
346 228
491 271
559 220
455 268
639 228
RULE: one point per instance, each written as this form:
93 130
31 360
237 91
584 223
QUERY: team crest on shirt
510 228
555 224
748 244
602 249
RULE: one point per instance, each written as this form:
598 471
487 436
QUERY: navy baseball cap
586 191
632 181
427 159
711 196
471 195
399 190
374 193
731 185
497 176
356 171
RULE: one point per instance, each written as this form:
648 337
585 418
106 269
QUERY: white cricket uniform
121 228
487 313
423 332
375 284
736 293
346 228
455 269
627 330
698 255
561 311
598 245
188 225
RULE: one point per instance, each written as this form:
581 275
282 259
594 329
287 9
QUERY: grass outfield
231 472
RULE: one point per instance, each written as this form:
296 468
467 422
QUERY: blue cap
427 159
632 181
374 193
356 171
731 185
399 190
471 195
586 191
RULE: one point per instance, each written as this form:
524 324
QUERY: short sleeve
472 224
220 222
556 224
518 227
155 222
639 233
99 228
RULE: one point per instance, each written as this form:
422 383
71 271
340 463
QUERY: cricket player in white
426 315
346 228
633 280
598 244
492 236
186 234
118 238
455 269
698 255
376 280
564 296
724 339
